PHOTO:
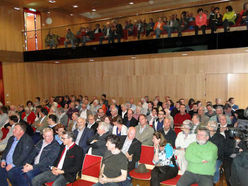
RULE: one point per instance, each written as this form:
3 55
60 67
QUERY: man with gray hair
201 156
98 141
219 111
66 166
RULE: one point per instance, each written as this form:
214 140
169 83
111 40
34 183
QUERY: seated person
201 156
158 27
51 40
215 20
183 23
82 134
41 157
119 128
70 38
168 133
66 166
15 154
200 21
114 164
59 129
165 166
244 15
144 132
98 141
183 140
131 148
229 18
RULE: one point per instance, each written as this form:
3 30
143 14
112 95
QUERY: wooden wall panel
199 75
237 88
11 25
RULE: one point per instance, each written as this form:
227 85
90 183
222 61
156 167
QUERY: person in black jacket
130 121
131 147
215 19
219 140
98 141
43 155
66 166
168 133
15 154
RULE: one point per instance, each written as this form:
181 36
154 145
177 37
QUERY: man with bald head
131 148
82 134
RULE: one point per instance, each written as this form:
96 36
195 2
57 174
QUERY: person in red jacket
158 27
200 22
28 116
181 116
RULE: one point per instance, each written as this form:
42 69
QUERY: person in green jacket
229 18
201 156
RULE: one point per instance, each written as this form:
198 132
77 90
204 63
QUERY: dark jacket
219 141
73 162
93 127
22 150
135 149
99 147
48 155
83 143
170 136
133 122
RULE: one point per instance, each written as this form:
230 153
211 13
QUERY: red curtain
1 84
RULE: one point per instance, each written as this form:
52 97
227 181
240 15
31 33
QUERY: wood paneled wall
11 25
201 76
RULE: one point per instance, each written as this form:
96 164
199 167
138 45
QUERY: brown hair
58 126
160 136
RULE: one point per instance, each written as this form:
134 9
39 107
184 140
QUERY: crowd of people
115 31
46 141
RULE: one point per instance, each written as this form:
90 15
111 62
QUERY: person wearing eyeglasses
66 166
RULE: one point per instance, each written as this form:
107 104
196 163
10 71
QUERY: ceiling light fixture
48 12
91 60
52 1
185 54
93 10
131 3
56 62
133 57
71 14
17 8
75 6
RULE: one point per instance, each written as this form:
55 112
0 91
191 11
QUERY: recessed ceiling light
93 10
56 62
75 6
71 14
92 60
133 57
185 54
52 1
48 12
17 8
131 3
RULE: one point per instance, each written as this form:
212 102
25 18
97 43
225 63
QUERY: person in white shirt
119 129
183 140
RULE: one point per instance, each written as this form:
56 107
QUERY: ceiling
104 8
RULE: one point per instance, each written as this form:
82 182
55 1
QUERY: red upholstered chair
146 158
173 181
90 171
5 131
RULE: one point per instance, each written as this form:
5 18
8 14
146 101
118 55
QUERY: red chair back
91 167
146 156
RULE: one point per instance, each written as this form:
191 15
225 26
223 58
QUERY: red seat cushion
173 181
83 182
51 183
5 131
140 176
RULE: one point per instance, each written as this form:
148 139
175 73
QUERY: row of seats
92 166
